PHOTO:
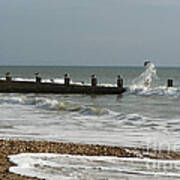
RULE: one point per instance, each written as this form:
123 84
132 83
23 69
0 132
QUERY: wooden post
38 78
93 80
8 77
66 79
119 82
170 83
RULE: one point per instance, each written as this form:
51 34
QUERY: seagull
146 63
52 80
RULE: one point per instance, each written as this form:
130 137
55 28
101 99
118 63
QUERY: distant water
147 115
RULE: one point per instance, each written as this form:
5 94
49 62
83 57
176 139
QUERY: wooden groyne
11 86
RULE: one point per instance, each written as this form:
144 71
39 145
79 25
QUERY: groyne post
170 83
66 79
8 77
38 78
119 81
93 80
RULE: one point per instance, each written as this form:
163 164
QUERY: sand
10 147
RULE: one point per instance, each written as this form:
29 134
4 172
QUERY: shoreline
12 147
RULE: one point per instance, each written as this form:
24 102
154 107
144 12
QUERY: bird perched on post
37 74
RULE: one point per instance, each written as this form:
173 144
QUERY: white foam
24 79
146 78
146 84
54 166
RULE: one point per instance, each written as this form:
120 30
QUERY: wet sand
10 147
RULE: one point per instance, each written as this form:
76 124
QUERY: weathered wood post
170 83
38 78
119 81
8 77
93 80
66 79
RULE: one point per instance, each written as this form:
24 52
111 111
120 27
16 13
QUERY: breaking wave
73 108
147 84
54 105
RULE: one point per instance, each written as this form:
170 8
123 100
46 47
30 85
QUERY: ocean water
147 115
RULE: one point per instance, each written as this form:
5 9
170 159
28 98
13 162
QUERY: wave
146 84
160 91
53 166
74 109
54 105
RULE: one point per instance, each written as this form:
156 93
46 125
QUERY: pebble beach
12 147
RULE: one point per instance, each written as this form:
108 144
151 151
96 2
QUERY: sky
89 32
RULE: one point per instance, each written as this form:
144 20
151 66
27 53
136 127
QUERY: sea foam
54 166
147 84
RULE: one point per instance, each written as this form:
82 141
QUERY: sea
147 115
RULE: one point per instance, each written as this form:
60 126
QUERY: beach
89 90
12 147
134 125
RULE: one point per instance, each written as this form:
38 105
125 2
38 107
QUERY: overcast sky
89 32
